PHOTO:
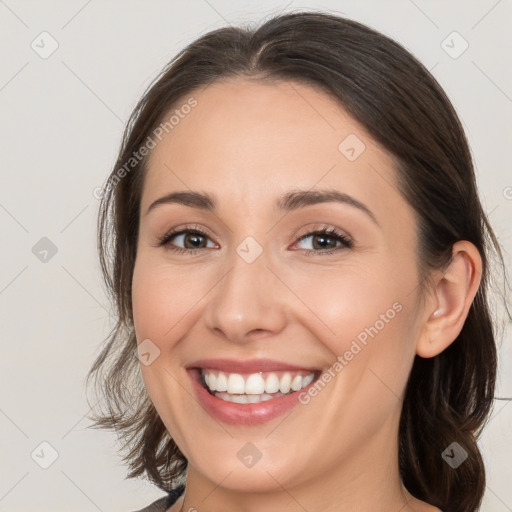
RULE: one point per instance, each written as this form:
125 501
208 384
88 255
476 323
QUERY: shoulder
162 504
157 506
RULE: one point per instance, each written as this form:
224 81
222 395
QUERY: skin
246 143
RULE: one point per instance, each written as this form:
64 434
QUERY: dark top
162 504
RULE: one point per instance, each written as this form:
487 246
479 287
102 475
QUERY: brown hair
448 397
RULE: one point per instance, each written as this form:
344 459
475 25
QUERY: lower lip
243 414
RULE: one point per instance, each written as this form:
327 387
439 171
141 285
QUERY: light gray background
61 124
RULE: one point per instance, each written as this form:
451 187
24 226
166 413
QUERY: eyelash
346 242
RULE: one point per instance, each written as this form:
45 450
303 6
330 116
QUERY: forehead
260 138
243 113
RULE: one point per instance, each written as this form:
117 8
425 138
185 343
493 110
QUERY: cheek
162 299
162 302
343 301
363 314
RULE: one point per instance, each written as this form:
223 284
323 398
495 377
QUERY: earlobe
452 295
429 348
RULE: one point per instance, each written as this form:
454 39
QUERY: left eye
323 240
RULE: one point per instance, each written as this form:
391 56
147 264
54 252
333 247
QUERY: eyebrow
290 201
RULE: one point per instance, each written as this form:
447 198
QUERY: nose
248 303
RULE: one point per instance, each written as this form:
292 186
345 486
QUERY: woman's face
261 285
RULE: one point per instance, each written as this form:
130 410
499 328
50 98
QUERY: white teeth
246 399
306 381
272 383
239 399
222 382
297 382
236 383
285 383
255 386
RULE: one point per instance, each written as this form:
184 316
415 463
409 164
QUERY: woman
294 241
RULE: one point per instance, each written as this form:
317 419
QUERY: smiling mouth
254 387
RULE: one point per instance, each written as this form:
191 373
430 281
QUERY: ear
451 297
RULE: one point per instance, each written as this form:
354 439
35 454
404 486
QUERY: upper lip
247 366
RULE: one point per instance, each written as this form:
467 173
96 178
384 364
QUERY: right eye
191 239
